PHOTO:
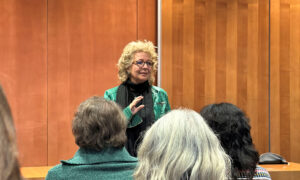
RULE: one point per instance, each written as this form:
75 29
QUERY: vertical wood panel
188 53
252 71
229 53
242 45
274 76
177 53
210 52
262 130
147 20
199 57
23 74
86 39
221 59
295 81
285 79
166 48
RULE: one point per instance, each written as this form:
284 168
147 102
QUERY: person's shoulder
157 89
111 92
54 172
56 167
259 168
261 172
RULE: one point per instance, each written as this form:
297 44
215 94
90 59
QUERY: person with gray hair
9 165
180 146
99 128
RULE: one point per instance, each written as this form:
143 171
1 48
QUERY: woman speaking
142 102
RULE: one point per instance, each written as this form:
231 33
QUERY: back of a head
181 146
9 166
233 129
99 123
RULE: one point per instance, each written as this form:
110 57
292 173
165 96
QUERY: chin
143 80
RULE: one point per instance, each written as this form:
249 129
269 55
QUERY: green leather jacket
160 103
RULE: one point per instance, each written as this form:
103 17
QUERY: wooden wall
215 51
57 53
285 78
218 50
23 74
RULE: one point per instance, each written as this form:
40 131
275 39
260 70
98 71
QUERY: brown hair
9 166
99 123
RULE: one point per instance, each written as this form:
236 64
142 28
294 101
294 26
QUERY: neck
137 87
133 81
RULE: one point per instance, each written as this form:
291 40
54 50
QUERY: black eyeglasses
141 63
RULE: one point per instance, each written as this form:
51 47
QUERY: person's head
98 124
138 62
233 129
180 145
9 166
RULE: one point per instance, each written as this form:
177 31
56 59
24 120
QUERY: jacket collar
88 156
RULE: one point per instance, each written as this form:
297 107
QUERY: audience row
214 144
182 144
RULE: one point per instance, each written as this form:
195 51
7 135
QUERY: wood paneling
54 54
147 20
23 74
85 41
214 51
285 78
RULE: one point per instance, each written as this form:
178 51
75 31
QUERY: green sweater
111 163
160 104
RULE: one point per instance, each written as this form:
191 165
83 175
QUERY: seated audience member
233 129
180 146
9 166
99 127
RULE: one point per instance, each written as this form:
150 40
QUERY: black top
125 95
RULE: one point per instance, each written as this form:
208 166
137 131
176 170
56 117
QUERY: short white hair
180 145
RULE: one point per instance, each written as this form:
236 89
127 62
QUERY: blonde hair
126 59
180 145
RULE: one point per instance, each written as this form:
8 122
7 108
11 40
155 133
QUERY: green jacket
111 163
160 103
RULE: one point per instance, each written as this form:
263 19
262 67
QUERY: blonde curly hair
127 57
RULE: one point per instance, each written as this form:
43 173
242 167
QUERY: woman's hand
133 104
